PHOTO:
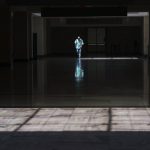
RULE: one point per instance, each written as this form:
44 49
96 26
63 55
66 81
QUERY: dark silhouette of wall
62 40
124 41
5 34
119 41
22 35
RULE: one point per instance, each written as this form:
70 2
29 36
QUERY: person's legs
79 52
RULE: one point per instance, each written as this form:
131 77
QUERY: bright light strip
137 14
37 14
110 58
130 14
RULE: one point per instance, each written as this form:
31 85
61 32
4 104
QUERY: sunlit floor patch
74 119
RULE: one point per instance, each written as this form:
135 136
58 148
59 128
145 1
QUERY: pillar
39 28
146 35
5 35
22 35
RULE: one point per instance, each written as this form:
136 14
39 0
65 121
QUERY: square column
22 35
5 35
146 35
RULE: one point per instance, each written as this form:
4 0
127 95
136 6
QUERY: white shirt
78 43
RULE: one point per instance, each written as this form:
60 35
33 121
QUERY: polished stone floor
75 104
72 82
74 119
75 128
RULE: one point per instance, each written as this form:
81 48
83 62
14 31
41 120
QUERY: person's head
78 37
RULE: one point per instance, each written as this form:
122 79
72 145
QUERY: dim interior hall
53 98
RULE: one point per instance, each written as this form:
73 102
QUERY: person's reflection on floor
79 72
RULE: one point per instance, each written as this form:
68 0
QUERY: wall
21 35
124 41
123 35
39 28
146 34
62 40
5 35
120 41
51 25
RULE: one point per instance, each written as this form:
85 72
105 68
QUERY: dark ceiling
80 2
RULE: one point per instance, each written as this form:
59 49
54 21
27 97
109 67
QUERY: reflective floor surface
75 104
73 82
